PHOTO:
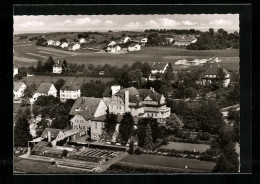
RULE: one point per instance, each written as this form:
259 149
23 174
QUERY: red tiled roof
17 85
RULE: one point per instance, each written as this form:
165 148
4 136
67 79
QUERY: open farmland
29 53
164 163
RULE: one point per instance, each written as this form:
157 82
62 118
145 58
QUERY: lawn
186 146
33 166
176 164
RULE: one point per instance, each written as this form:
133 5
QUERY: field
39 79
26 53
186 146
167 163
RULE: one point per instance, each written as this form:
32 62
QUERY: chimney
49 136
126 101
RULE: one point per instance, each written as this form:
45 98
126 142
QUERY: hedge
134 169
86 158
178 151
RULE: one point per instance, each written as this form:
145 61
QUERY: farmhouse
70 91
57 67
57 43
75 47
124 40
19 88
211 75
64 45
45 89
114 48
112 43
184 40
15 70
84 109
50 42
144 41
82 40
134 47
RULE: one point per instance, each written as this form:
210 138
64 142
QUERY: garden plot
186 147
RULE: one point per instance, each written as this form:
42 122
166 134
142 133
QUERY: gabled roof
17 85
58 64
214 70
85 106
71 86
44 88
158 66
107 92
135 98
54 132
132 91
155 96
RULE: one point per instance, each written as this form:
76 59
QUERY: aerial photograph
126 94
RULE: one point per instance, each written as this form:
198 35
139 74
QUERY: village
152 101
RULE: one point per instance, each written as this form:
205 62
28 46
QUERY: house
159 67
82 40
112 43
64 45
57 67
50 42
124 40
134 47
84 109
169 40
114 48
211 75
139 102
154 105
53 134
19 88
15 70
144 41
98 124
70 90
126 100
110 91
75 47
101 73
45 89
57 43
184 40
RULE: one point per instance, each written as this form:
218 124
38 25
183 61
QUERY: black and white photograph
126 94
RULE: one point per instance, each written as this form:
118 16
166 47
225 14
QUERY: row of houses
197 62
70 46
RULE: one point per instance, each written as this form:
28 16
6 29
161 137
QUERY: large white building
70 90
19 88
45 89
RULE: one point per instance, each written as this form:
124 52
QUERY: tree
29 90
136 75
148 140
126 128
211 31
49 64
41 42
60 122
31 70
21 130
63 40
65 66
58 84
110 123
41 125
39 67
146 69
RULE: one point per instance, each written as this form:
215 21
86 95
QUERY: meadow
186 146
28 53
169 163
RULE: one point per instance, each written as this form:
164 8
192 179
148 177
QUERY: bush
49 145
165 141
138 151
65 153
